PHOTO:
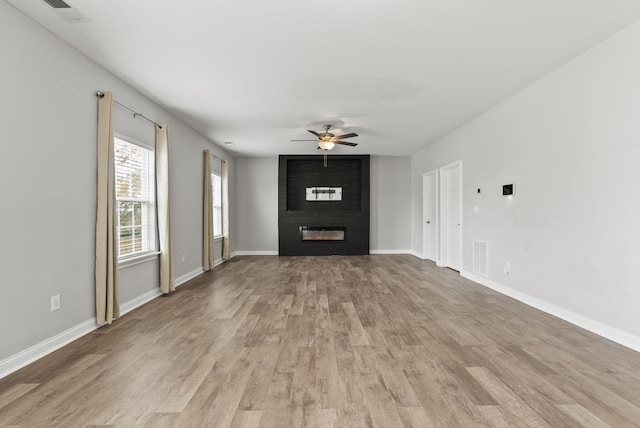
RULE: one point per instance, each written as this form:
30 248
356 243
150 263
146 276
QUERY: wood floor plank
246 419
329 418
49 401
257 386
581 415
353 341
525 382
14 392
303 389
160 420
197 409
495 417
277 402
394 378
509 402
356 331
327 376
222 409
415 417
440 392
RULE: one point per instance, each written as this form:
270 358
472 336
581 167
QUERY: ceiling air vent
57 4
66 11
480 265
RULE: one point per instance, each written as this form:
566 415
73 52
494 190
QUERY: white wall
257 198
571 144
48 112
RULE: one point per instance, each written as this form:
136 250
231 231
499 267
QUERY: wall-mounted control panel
509 189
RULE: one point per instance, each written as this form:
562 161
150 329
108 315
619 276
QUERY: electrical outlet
184 258
506 269
55 302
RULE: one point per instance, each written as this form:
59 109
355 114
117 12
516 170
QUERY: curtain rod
100 94
214 156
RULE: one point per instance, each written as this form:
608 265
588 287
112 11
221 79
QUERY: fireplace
322 233
323 211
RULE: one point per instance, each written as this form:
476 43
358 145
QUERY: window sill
136 260
218 238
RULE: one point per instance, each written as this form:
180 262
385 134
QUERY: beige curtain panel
167 280
207 214
225 210
107 307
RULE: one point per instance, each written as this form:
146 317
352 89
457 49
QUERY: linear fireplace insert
322 233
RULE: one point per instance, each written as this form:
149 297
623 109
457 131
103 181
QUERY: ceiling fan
327 141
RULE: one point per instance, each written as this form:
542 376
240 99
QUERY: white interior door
451 190
430 224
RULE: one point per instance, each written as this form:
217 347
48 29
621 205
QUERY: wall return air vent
480 263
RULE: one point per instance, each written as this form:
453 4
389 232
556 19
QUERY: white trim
436 221
623 338
417 254
127 139
256 253
136 260
149 215
139 301
443 180
28 356
187 276
390 252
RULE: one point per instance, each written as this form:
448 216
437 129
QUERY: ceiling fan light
326 145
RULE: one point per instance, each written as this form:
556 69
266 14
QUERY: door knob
428 222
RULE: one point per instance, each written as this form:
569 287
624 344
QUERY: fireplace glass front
322 233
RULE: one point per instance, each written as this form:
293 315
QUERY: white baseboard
139 301
187 276
417 254
623 338
256 253
389 251
28 356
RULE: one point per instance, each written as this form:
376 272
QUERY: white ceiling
399 73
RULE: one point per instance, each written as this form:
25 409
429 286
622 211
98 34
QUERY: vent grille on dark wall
57 4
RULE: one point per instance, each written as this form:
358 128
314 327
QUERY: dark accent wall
295 174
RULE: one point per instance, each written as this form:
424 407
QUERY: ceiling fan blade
303 140
314 133
349 135
346 143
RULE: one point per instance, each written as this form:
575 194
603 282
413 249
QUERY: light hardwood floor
380 341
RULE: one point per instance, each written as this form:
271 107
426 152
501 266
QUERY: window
135 204
216 188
